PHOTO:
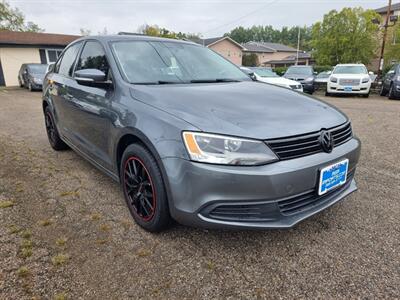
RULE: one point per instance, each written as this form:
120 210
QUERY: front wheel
30 88
382 91
392 96
143 189
365 95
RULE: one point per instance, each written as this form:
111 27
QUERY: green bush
250 60
280 70
320 69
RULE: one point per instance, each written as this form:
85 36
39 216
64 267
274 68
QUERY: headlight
365 80
218 149
333 79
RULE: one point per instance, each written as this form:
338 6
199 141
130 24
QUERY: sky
209 18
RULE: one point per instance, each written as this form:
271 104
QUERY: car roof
300 66
349 65
132 37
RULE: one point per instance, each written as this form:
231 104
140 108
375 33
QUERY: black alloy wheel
144 189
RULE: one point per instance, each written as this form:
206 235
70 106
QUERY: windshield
350 70
300 70
146 62
37 69
264 72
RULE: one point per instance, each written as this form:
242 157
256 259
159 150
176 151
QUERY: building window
52 55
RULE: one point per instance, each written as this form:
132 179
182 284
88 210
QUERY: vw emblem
326 141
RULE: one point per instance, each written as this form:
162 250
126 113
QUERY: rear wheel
143 189
52 133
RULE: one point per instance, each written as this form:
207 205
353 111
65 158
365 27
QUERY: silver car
190 137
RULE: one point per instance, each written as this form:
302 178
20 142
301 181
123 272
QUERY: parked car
391 83
268 76
321 80
323 77
190 137
349 79
303 74
31 76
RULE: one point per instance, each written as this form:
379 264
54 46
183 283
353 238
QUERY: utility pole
384 38
298 47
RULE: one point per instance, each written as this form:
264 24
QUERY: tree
348 36
287 36
392 51
85 31
155 30
250 60
13 19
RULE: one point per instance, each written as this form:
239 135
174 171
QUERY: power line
240 18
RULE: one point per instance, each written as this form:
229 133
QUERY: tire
327 94
52 133
30 86
365 95
20 83
391 95
143 188
382 91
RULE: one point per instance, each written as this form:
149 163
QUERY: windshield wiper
157 82
213 80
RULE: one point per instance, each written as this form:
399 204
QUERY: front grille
258 212
303 145
310 198
349 82
246 212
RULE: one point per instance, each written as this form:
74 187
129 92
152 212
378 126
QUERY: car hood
38 76
277 80
246 109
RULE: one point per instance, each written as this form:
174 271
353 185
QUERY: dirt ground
65 232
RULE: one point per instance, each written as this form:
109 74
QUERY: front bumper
361 89
197 190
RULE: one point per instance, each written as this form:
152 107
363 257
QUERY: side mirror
92 77
50 67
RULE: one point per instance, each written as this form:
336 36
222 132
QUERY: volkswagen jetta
190 137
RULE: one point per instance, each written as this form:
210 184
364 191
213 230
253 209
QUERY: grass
105 227
70 193
143 252
26 234
60 296
101 241
23 271
14 229
45 222
6 203
26 252
61 242
59 259
95 216
210 265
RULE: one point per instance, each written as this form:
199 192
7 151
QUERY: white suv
349 79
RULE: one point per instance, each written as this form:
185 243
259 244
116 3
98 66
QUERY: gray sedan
190 137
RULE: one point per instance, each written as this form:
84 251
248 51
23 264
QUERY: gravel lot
65 232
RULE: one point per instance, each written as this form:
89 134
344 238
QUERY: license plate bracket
333 176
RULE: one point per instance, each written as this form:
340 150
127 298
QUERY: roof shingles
34 38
